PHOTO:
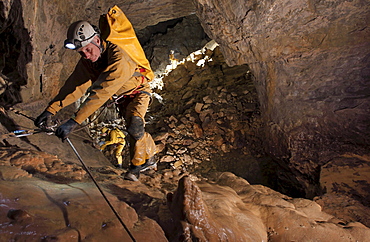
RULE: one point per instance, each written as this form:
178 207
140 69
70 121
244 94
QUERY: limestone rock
219 207
202 121
258 214
208 219
310 61
345 180
77 210
9 173
33 162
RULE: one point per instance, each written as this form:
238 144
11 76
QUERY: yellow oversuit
116 137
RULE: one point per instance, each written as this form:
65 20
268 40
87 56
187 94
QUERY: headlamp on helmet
80 34
72 44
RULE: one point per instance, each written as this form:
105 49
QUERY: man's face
90 51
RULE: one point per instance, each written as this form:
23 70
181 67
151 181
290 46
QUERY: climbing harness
133 92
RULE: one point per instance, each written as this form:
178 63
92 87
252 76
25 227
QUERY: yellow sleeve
113 80
104 146
73 89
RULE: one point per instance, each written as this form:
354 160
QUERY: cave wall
311 62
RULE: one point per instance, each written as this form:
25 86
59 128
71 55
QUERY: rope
101 191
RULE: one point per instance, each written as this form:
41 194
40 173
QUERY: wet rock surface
20 161
184 207
34 209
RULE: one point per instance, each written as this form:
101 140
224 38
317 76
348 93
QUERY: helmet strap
100 47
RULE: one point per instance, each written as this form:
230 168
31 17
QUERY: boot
149 164
133 173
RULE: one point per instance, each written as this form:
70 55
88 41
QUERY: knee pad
136 128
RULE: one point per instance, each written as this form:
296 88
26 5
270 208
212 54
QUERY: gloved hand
43 119
66 128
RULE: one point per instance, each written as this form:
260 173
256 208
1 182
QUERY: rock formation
311 66
37 205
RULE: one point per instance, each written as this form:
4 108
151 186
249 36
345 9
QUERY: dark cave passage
16 49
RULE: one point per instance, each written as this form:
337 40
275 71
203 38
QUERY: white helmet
80 34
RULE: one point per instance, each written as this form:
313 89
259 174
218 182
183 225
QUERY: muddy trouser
133 108
118 152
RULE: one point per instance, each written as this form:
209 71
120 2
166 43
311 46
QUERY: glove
43 119
66 128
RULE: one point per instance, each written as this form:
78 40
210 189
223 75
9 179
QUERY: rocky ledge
49 200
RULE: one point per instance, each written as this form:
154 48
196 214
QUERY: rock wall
311 62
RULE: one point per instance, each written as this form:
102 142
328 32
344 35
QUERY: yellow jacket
113 73
116 136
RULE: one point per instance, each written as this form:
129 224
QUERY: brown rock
18 215
167 158
160 147
298 56
193 208
289 219
218 140
9 173
160 136
198 131
177 164
78 207
344 208
65 234
198 107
